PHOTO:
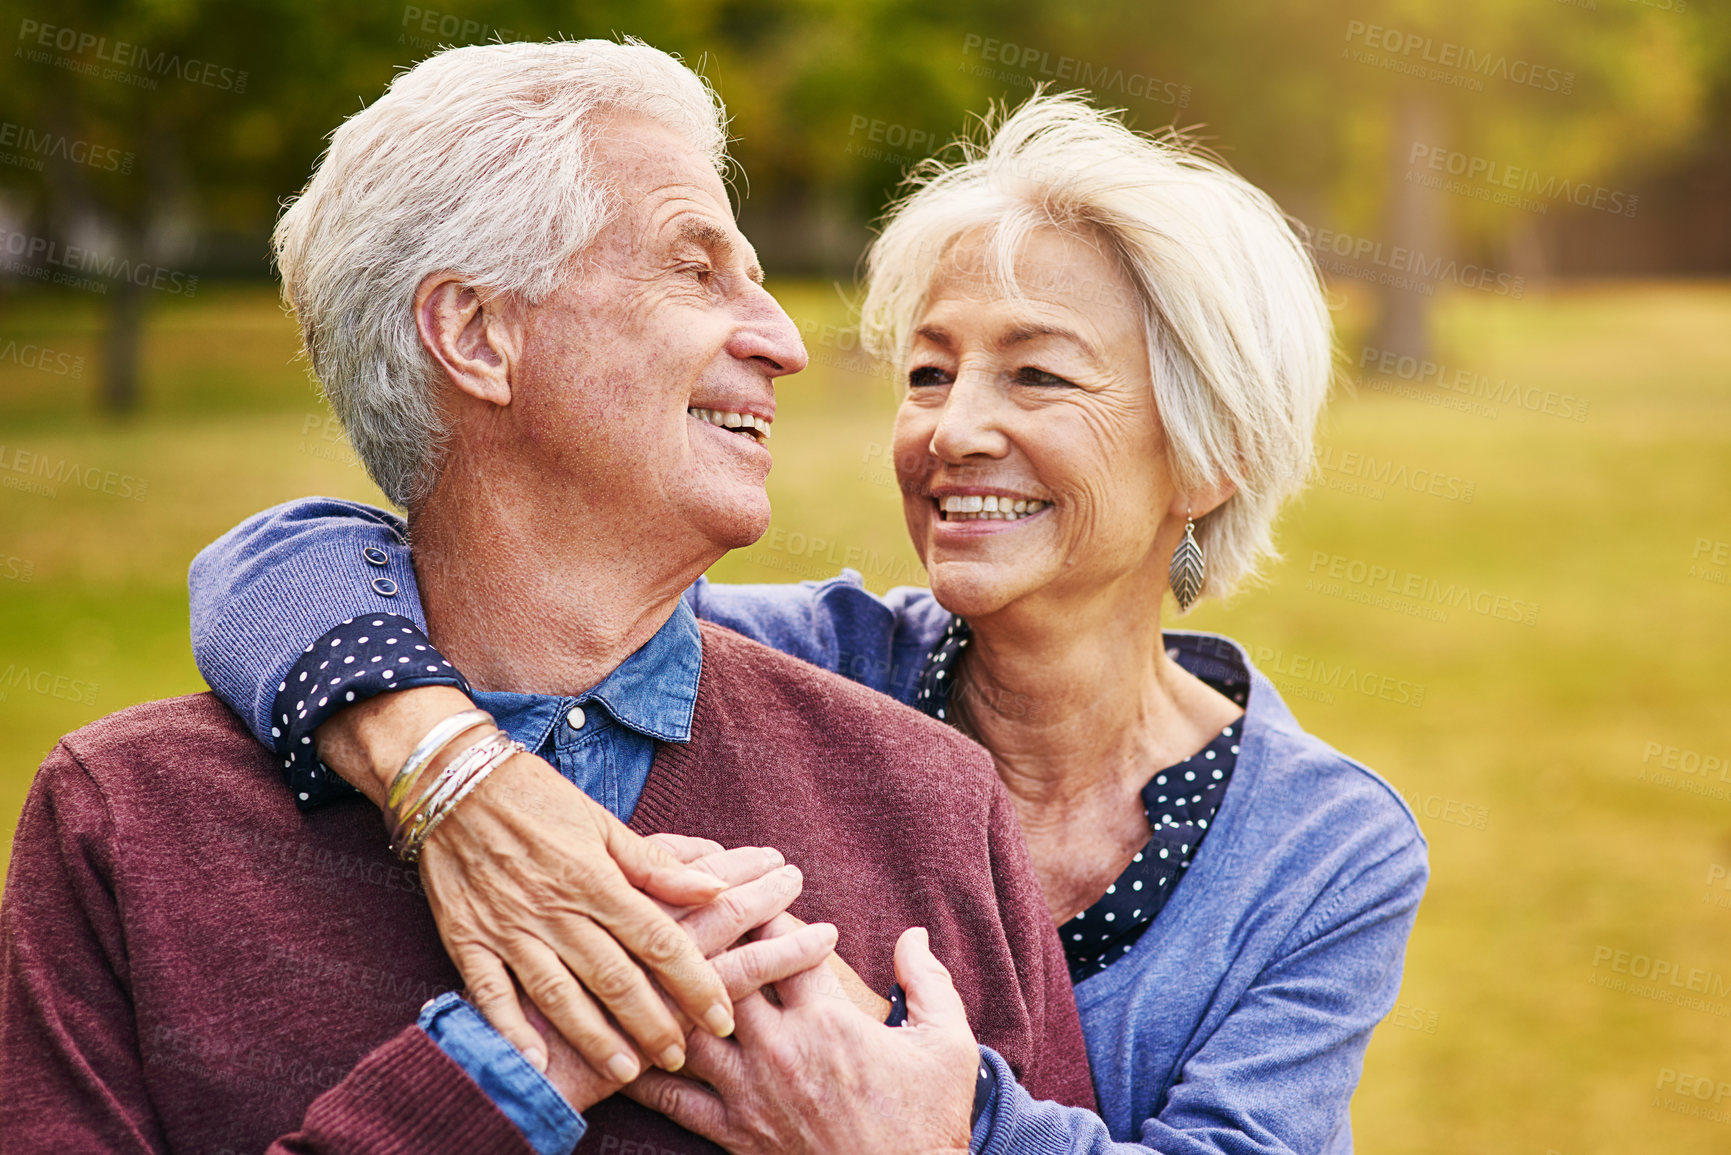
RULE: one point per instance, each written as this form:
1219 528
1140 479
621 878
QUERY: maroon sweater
189 964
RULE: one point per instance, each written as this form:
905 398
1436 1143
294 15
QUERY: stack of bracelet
435 799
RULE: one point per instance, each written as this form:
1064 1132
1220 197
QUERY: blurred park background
1523 208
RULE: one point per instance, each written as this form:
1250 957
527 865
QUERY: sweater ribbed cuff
408 1096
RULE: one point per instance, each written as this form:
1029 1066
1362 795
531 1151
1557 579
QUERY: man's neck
520 598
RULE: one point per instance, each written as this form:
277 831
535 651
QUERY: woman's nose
969 425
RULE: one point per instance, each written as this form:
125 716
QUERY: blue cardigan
1237 1024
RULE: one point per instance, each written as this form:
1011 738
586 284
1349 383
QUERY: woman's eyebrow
1022 334
707 235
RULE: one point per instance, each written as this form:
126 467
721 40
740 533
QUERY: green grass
1535 732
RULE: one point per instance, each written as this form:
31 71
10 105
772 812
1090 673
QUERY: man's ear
476 340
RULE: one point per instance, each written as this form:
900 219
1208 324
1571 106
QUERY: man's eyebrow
709 236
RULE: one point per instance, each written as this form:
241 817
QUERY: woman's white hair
1239 336
477 160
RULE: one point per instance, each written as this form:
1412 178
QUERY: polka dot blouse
1180 802
357 660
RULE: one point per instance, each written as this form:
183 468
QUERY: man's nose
768 335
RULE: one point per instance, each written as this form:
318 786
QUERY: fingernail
719 1020
537 1059
622 1068
672 1058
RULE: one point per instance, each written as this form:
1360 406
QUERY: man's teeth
739 421
974 507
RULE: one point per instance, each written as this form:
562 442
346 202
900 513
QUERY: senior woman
1115 352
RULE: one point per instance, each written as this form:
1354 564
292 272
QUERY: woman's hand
818 1075
530 877
760 888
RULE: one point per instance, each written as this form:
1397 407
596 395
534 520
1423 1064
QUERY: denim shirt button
385 587
375 556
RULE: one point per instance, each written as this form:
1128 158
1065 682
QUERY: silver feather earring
1187 567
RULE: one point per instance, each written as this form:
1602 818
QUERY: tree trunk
120 347
1417 222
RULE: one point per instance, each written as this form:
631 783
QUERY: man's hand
760 889
817 1075
530 877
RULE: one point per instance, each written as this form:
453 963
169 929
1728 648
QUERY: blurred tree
1339 107
1342 107
200 116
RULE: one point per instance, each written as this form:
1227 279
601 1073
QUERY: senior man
521 285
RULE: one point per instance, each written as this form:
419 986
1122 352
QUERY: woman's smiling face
1040 405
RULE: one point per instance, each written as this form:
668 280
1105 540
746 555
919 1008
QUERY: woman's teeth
742 423
974 507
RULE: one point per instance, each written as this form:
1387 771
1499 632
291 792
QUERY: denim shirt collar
654 691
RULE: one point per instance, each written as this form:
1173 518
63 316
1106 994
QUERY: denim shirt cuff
525 1096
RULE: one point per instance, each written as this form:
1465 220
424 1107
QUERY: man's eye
702 272
928 375
1028 375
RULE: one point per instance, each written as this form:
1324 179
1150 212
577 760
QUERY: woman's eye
1028 375
928 375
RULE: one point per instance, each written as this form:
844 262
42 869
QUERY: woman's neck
1079 704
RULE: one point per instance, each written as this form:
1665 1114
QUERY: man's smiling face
632 371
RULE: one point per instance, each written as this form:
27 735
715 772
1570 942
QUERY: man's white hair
1239 337
477 160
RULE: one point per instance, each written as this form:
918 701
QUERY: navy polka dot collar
1180 802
